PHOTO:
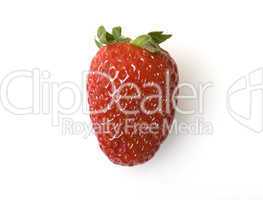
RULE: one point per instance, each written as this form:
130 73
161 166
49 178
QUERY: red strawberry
131 88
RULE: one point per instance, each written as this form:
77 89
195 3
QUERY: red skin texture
130 64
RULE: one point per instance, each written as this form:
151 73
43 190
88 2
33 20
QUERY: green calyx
150 41
105 37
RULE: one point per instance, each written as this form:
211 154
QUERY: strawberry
131 89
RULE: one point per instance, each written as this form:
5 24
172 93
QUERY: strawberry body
130 95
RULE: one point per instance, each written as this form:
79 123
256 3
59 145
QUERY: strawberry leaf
98 43
124 39
101 30
116 32
159 37
109 38
141 40
103 36
146 42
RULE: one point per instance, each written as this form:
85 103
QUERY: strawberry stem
150 41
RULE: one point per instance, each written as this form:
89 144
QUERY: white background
213 41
